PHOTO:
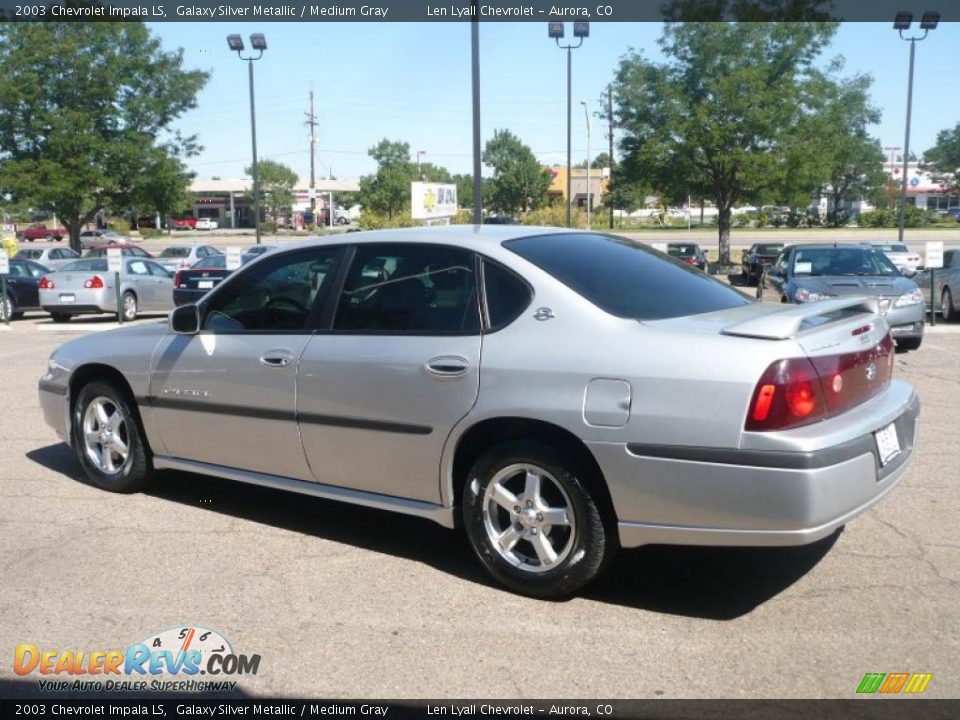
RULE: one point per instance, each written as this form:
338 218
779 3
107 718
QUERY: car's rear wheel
532 521
946 306
6 308
108 438
909 343
128 305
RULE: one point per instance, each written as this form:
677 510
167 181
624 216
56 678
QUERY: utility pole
610 138
312 123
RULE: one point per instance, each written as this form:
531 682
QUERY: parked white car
181 257
907 261
205 224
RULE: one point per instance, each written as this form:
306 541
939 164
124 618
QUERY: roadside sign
933 254
662 247
114 260
432 200
233 257
4 263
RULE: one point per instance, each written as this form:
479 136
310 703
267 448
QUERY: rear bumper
906 322
183 296
709 496
75 309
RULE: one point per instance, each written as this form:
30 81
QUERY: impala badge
543 313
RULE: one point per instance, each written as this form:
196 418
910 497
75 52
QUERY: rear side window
507 295
409 288
624 278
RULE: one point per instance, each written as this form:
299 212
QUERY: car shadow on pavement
703 582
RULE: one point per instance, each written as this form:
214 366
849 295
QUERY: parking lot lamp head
555 30
581 29
235 43
930 20
902 21
258 42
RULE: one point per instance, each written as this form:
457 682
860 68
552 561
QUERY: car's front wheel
108 438
946 306
910 343
129 306
532 521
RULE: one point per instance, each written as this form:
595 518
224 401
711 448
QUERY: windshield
626 279
175 252
681 250
842 261
769 249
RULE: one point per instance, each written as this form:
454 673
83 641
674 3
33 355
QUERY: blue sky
411 82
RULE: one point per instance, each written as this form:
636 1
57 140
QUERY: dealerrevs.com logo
171 660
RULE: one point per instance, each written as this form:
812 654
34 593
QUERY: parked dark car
953 213
757 258
22 288
193 283
812 273
499 220
690 253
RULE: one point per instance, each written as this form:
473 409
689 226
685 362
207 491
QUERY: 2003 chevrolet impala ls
559 393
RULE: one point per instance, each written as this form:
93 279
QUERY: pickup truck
946 285
39 231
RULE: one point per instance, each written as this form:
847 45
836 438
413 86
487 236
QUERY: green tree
165 187
944 158
388 191
276 187
85 112
519 182
625 194
725 117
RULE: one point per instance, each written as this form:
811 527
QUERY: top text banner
464 10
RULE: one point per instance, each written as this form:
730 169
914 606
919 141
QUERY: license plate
205 284
68 298
888 445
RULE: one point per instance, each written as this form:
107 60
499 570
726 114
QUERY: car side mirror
185 320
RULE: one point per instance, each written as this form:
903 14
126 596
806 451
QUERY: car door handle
276 358
448 365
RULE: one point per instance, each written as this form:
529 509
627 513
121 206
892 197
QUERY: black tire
129 307
61 317
946 305
909 343
137 468
16 315
588 544
7 308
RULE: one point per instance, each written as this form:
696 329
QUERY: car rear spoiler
793 320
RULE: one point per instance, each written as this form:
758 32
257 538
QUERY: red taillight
691 261
46 283
94 283
799 391
176 278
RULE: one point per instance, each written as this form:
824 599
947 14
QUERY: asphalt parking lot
349 602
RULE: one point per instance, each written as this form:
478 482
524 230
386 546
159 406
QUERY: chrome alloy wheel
129 307
106 439
528 518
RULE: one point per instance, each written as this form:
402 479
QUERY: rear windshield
892 248
86 264
217 262
29 254
624 278
769 249
681 250
175 252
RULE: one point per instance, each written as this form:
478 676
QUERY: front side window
137 267
626 279
410 288
157 270
275 295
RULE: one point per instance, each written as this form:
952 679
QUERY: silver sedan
86 287
557 394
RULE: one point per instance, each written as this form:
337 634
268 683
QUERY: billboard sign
433 200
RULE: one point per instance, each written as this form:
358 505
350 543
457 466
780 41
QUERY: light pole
259 43
419 153
580 31
586 114
901 22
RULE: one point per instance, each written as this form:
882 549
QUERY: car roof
113 245
829 246
471 237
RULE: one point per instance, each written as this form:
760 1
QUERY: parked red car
185 223
39 231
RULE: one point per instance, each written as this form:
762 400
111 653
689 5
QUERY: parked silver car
559 393
810 273
86 287
52 257
181 257
946 285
